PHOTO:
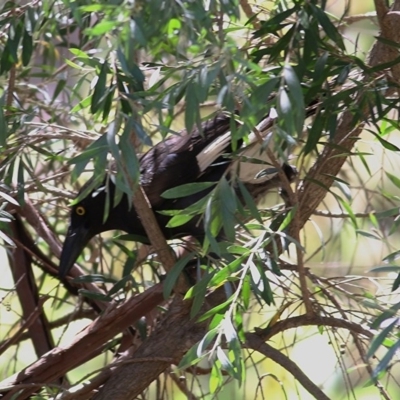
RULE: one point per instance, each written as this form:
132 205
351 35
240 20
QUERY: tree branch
330 162
254 342
87 344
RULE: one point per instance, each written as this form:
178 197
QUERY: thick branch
89 343
175 335
328 164
28 294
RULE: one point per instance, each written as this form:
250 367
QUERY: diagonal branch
255 343
331 161
87 344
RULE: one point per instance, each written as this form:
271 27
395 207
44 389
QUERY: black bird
178 160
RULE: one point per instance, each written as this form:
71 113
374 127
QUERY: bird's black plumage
170 163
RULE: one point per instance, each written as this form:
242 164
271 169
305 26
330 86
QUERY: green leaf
246 292
260 95
108 101
7 60
224 360
227 208
367 234
121 284
3 124
387 145
59 88
327 26
227 272
93 278
72 64
216 378
394 179
99 89
8 198
389 313
186 190
206 341
349 210
198 293
173 275
7 239
179 220
240 250
192 107
94 295
384 363
386 268
392 257
27 48
82 104
229 330
387 213
98 150
101 28
192 356
396 283
314 133
14 37
133 73
78 52
111 136
296 94
261 283
219 309
21 183
288 219
272 25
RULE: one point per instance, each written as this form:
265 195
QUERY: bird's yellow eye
80 210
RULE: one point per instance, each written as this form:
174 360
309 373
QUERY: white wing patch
206 157
247 170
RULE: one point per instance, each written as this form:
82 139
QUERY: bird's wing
173 162
253 149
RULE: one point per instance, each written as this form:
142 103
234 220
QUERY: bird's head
88 217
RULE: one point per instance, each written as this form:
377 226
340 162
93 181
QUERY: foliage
86 86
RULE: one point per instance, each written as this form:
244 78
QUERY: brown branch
182 331
40 226
10 90
183 387
174 336
156 236
254 342
315 320
153 230
328 214
21 267
328 163
356 338
89 388
20 335
131 381
388 20
87 344
296 227
26 324
351 19
25 242
246 7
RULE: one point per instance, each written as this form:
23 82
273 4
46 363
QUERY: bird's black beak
75 241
